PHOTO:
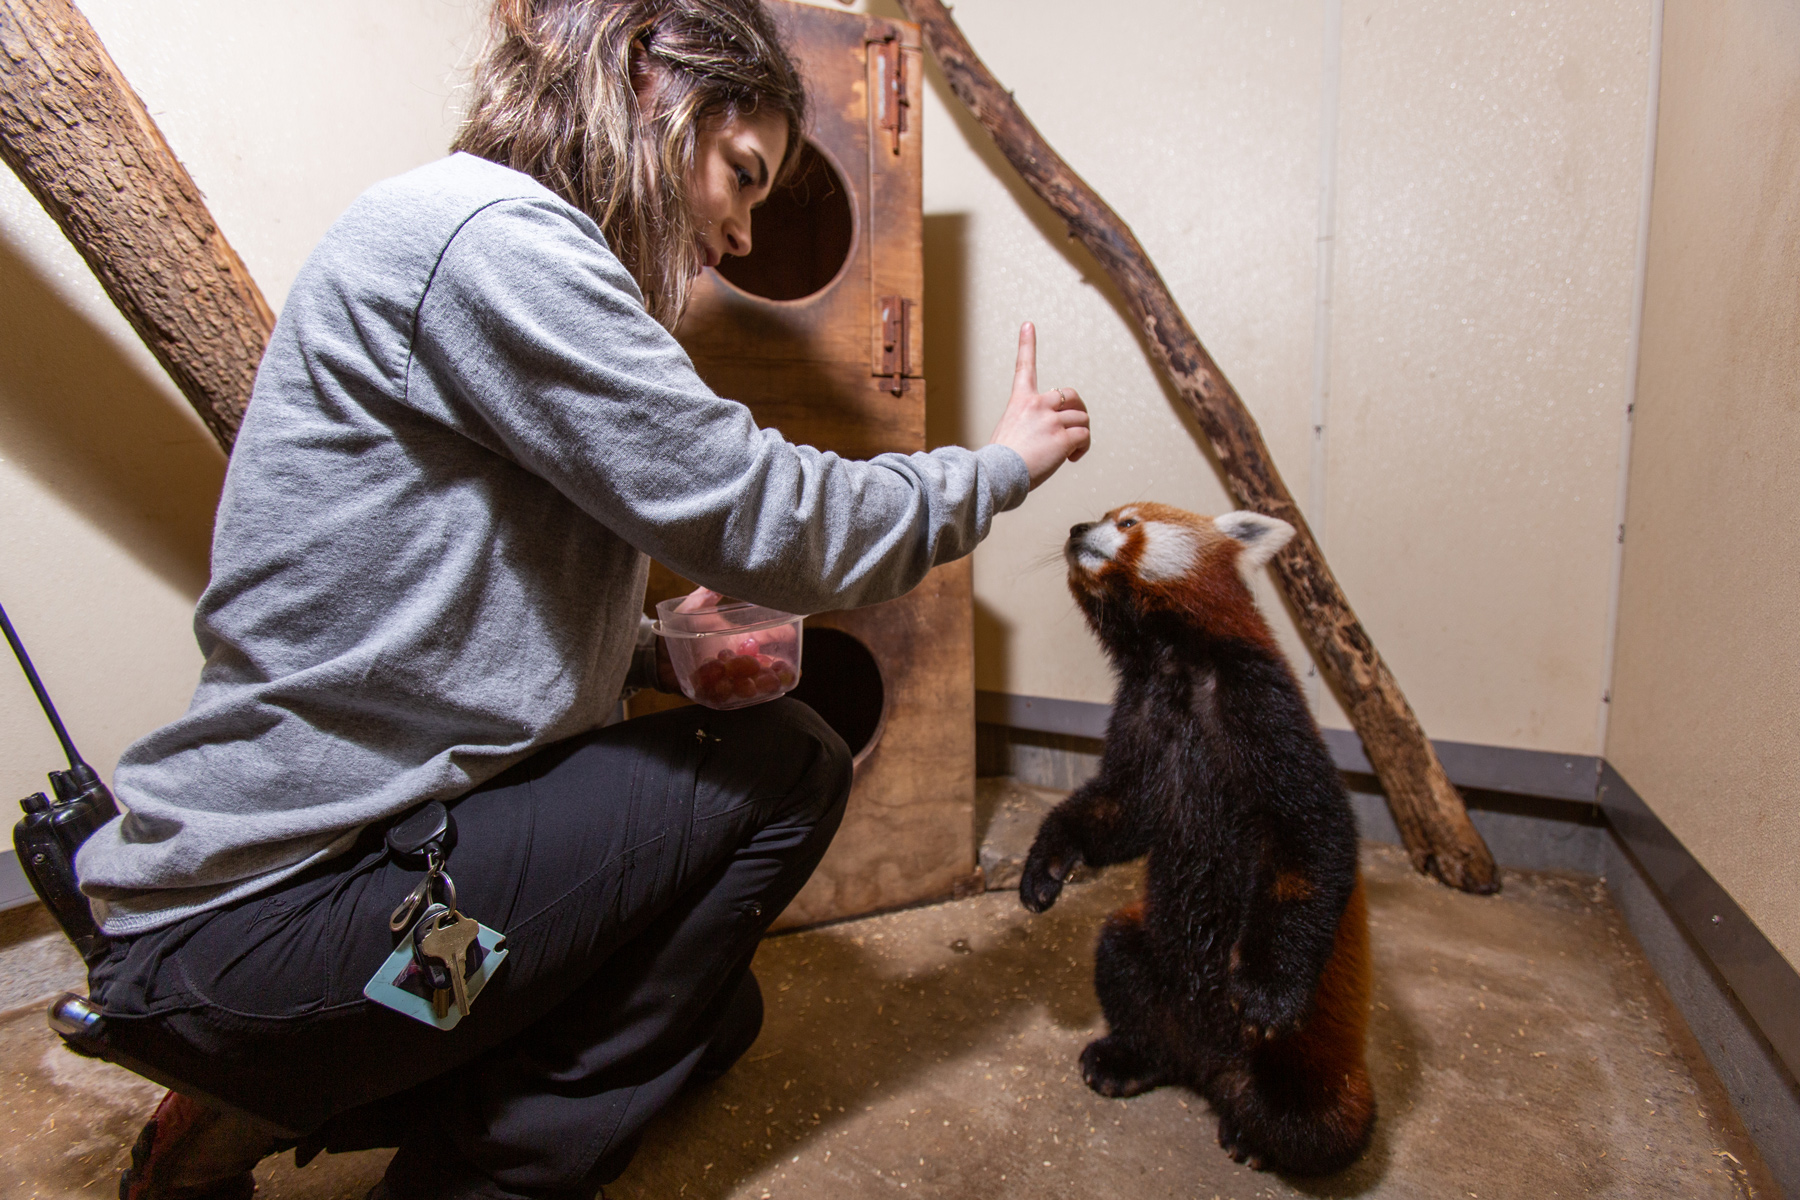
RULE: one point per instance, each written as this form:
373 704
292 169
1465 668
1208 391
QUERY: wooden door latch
890 72
896 342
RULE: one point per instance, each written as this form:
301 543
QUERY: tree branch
81 140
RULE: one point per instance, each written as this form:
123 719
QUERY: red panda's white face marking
1166 551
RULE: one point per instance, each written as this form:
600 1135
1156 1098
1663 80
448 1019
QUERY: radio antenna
37 686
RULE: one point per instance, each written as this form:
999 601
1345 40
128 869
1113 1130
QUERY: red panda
1243 973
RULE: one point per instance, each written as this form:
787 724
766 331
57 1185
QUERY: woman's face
735 163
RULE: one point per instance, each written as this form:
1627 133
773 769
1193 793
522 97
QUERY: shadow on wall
946 347
111 442
993 648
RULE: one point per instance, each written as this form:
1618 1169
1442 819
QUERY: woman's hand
699 598
704 597
1045 428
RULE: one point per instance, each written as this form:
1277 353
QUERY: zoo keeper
471 430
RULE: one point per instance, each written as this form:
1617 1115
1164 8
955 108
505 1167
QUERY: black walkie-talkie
53 829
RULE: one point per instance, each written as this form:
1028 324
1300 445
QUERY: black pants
632 870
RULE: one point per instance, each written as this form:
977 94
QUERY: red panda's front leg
1288 933
1091 826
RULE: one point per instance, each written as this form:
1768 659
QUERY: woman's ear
1261 537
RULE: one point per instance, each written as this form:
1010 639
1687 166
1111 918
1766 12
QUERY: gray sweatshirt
429 560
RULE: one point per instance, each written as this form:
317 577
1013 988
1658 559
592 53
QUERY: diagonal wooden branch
81 140
1428 810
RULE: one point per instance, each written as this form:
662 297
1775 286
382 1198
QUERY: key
436 974
447 941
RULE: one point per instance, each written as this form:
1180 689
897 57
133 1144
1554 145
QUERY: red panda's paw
1041 882
1268 1008
1231 1142
1114 1069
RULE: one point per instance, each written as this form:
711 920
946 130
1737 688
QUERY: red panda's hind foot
1266 1134
1115 1069
1232 1145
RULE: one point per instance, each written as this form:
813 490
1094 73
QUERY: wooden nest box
818 332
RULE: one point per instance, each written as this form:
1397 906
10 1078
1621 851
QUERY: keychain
447 957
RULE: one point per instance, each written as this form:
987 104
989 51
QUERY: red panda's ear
1261 537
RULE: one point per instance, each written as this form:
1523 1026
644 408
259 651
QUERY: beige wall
1492 168
283 113
1476 316
1475 328
1706 685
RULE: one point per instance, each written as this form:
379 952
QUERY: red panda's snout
1092 545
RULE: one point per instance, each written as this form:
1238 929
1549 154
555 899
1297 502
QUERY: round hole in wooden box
841 680
800 239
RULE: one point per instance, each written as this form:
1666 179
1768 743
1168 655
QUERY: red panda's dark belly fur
1210 748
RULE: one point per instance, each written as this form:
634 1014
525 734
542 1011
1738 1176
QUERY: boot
192 1151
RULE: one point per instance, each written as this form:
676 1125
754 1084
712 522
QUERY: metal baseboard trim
1469 764
1490 768
1764 982
1042 714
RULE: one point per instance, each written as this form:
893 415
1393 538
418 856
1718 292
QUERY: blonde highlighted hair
554 97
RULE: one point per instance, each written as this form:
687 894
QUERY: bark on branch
81 140
1427 808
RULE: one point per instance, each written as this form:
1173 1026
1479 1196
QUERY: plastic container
733 655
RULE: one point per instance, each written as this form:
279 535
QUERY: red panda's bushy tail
1304 1104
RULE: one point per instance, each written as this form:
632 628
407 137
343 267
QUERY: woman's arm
536 338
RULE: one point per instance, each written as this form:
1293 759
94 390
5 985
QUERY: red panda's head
1150 558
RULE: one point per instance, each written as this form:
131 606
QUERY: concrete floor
1520 1047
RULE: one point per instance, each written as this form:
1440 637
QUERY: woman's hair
554 98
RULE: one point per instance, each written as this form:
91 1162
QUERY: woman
470 429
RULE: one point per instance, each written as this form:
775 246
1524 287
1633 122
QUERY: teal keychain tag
401 986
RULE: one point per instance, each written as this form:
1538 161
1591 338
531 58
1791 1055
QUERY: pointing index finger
1025 373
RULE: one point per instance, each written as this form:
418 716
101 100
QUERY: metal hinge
896 342
890 77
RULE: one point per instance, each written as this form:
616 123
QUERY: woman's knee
792 731
833 768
